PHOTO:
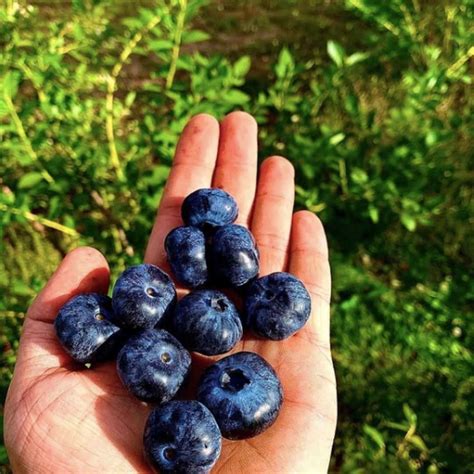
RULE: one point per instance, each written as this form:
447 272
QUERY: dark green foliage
374 110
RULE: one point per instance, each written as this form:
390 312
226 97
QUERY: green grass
372 103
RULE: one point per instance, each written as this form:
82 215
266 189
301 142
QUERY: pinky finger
309 262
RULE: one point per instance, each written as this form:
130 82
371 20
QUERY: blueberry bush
372 102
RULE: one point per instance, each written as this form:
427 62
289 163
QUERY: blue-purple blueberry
277 305
207 321
243 393
143 295
186 251
153 365
84 328
182 437
233 255
209 207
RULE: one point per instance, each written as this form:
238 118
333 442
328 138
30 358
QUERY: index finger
193 167
83 270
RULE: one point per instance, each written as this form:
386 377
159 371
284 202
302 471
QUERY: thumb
83 270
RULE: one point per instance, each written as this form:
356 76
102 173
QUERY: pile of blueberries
150 334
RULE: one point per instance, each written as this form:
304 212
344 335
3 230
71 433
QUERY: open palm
63 418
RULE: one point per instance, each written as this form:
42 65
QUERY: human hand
60 417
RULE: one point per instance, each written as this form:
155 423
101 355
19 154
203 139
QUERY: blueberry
277 305
182 437
142 296
243 393
186 250
206 321
209 208
153 365
233 255
84 329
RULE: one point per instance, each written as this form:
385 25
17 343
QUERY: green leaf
159 175
195 36
336 52
410 415
285 63
236 97
130 98
22 158
160 45
7 197
359 176
186 63
397 426
356 58
3 455
410 224
241 66
3 108
351 103
432 469
431 138
132 23
10 83
374 214
29 180
146 15
335 139
20 288
193 7
416 441
375 436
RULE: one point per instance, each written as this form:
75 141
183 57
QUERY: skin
63 418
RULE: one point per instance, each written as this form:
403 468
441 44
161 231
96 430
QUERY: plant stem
450 14
183 5
460 62
111 88
10 10
343 176
29 75
410 23
12 314
41 220
384 23
23 136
